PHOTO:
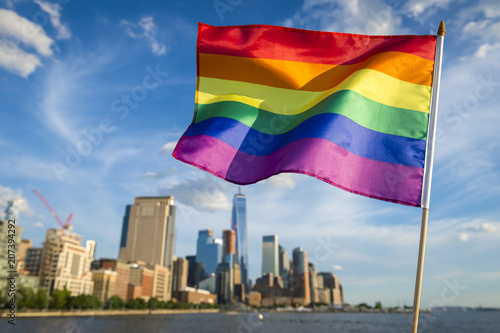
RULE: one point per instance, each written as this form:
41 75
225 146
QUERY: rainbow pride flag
351 110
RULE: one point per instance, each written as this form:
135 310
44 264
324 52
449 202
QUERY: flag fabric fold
351 110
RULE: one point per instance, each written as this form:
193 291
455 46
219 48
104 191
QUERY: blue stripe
329 126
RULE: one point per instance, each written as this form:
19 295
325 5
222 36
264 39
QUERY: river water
441 322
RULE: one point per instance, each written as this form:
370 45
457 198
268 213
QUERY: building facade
284 266
162 282
104 283
224 283
270 255
204 237
122 279
33 260
180 274
228 243
66 263
213 256
148 231
335 292
300 284
239 225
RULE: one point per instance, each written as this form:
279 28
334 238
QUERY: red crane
68 221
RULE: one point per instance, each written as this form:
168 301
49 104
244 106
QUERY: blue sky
94 95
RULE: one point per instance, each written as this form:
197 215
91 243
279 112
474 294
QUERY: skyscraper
148 231
270 255
213 255
284 261
332 284
204 237
300 278
228 243
239 225
180 274
224 283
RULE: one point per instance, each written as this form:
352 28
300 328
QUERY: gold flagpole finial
441 30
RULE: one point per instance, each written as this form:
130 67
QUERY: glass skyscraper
204 237
213 255
239 225
270 255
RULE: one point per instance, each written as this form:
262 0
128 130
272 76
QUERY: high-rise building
33 260
284 267
284 261
148 231
300 278
204 237
229 242
270 255
180 274
224 283
21 254
332 284
314 283
66 263
239 225
213 255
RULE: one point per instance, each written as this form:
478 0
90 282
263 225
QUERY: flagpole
429 160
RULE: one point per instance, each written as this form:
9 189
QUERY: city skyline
95 100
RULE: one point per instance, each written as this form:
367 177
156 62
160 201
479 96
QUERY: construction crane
68 220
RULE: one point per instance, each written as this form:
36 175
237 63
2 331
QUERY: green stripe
364 111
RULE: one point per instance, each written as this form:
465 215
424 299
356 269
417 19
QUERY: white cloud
145 29
54 11
20 203
463 236
28 33
160 175
483 50
169 146
65 94
363 16
16 60
479 226
487 8
205 193
283 180
337 268
488 227
15 30
418 7
38 224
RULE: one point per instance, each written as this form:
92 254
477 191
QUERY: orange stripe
312 76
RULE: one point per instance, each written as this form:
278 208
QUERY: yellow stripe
312 76
370 83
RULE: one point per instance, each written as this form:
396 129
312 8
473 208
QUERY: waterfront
442 322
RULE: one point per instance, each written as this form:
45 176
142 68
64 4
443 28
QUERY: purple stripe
315 157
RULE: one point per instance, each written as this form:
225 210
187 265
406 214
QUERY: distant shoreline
90 313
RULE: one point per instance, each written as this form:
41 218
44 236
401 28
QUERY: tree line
28 298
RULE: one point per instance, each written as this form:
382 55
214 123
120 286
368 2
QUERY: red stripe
272 42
